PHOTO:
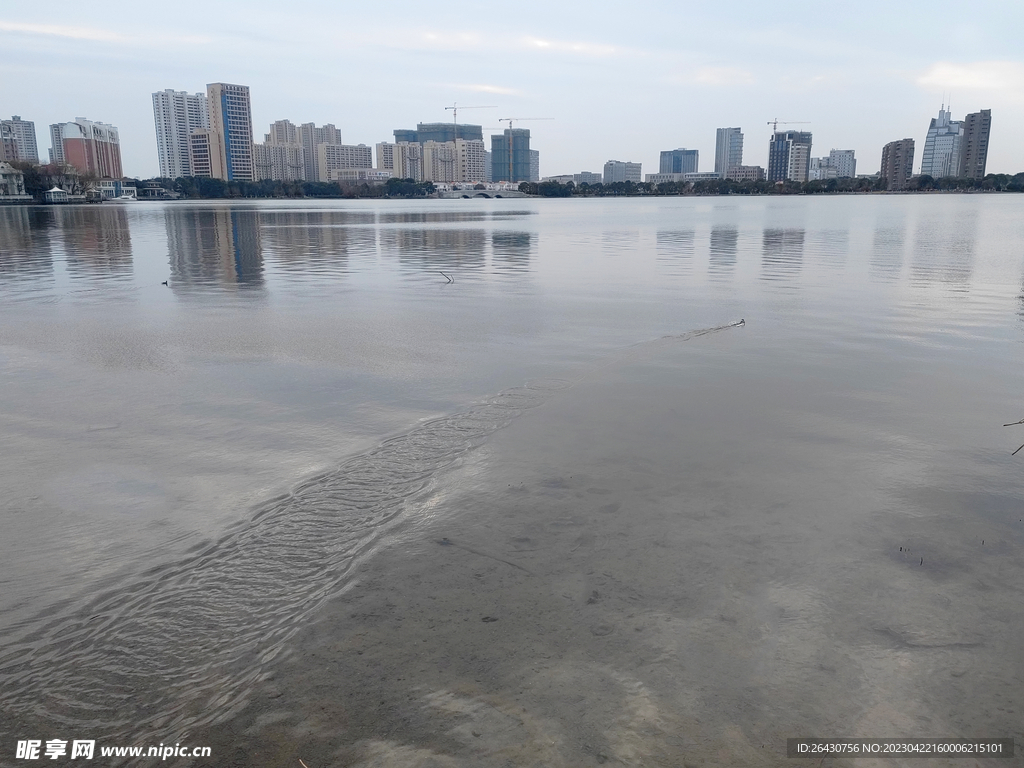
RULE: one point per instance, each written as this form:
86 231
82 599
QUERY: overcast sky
622 80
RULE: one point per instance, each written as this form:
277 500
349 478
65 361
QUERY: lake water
313 499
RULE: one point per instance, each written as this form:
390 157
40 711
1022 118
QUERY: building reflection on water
782 253
829 247
944 247
93 241
675 249
887 249
722 251
316 242
97 240
26 245
214 246
511 251
436 249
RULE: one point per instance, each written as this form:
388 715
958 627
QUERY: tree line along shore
39 179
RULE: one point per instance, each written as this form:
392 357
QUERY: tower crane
455 114
776 122
511 120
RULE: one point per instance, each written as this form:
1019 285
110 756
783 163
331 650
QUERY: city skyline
540 64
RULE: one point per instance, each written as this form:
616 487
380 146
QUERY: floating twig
1017 451
1014 423
446 542
303 764
447 277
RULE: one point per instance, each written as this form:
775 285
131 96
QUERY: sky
619 81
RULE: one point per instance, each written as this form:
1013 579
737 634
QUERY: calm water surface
311 492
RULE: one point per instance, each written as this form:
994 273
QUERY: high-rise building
728 150
534 165
840 164
312 137
385 156
91 147
941 155
283 132
974 145
789 155
231 121
279 162
679 161
440 161
407 160
617 170
281 156
20 140
176 114
57 144
333 157
821 168
844 161
439 132
204 149
510 155
472 160
8 145
897 164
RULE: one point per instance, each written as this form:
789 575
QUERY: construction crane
776 122
511 120
455 114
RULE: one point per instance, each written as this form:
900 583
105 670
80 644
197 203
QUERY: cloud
483 88
431 40
55 30
96 34
723 76
1005 76
565 46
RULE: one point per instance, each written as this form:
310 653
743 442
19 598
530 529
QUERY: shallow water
223 498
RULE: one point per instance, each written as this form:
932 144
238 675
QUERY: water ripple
184 645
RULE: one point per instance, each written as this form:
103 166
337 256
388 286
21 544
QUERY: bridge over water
480 193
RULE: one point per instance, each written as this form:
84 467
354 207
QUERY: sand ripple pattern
184 645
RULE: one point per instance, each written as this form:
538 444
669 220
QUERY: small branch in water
303 764
1017 451
1014 423
446 542
448 278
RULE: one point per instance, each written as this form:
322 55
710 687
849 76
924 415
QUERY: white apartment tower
334 157
57 144
941 156
22 140
440 161
844 161
204 153
472 160
311 138
728 150
176 114
407 160
280 157
231 121
385 156
617 170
